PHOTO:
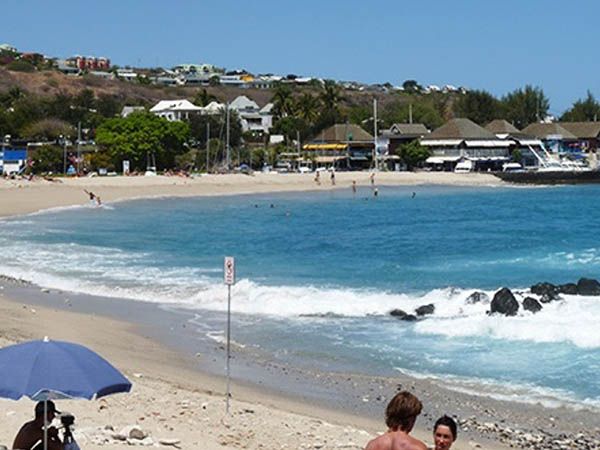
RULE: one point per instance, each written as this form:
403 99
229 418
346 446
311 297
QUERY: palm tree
331 96
203 98
307 107
283 101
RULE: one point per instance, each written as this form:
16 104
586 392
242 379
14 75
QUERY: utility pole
410 113
64 155
376 165
228 156
207 143
78 145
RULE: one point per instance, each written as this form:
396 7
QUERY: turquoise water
318 273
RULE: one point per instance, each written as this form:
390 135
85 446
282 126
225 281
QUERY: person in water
400 417
444 433
93 197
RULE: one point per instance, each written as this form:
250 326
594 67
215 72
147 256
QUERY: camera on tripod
67 420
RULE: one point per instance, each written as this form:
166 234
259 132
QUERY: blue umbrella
47 370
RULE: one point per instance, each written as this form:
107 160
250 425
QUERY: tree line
299 112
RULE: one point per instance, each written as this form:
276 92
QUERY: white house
175 109
127 110
252 117
213 108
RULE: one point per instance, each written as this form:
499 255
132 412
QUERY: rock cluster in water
505 303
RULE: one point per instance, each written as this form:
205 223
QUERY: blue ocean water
318 274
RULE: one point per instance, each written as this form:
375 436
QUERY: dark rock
588 286
402 315
504 302
547 298
477 297
544 289
568 288
425 310
531 304
398 313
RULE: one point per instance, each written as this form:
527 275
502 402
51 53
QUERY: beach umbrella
49 370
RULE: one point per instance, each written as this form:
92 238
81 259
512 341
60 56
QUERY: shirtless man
400 417
32 433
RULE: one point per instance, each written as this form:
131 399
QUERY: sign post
229 278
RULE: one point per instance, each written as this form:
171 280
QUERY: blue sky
483 44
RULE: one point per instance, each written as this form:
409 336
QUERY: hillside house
173 110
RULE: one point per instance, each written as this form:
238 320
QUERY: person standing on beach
372 178
354 186
400 417
444 433
317 178
332 176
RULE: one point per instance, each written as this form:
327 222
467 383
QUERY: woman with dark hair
444 433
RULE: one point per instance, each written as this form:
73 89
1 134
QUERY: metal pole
78 145
65 156
207 143
227 135
375 134
228 344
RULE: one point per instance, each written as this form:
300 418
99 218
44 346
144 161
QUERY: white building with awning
462 139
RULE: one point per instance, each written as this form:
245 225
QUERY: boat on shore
551 170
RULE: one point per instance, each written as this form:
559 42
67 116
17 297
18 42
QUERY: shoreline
19 197
347 400
485 420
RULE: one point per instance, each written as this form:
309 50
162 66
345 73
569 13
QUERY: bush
100 160
21 66
48 158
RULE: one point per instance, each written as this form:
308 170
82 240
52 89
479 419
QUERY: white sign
229 270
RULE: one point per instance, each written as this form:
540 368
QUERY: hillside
50 83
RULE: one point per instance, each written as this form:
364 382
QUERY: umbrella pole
45 424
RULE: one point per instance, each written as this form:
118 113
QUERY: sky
494 45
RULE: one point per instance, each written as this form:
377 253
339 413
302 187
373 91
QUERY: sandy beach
177 404
22 196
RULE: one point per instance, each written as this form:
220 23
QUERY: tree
307 107
216 125
203 98
137 135
331 96
583 110
413 153
283 101
48 129
422 112
411 86
290 126
108 105
48 158
525 106
479 106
